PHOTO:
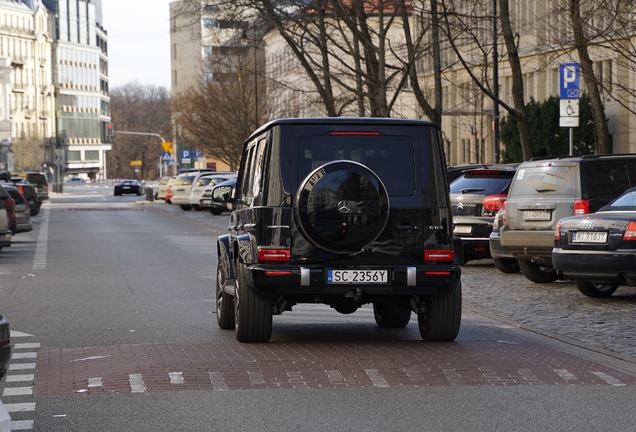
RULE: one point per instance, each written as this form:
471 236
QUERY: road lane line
18 391
566 375
21 366
39 261
95 382
376 378
26 345
26 355
21 425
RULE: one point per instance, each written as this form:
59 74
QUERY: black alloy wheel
252 312
442 317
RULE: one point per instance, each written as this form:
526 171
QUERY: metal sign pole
571 141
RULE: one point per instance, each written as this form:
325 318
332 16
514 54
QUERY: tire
224 303
390 315
216 211
185 207
537 272
506 265
156 196
595 290
442 317
252 312
197 207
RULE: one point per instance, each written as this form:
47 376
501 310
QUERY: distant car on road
160 193
5 345
29 192
598 250
128 187
76 180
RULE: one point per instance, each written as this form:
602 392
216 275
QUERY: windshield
543 178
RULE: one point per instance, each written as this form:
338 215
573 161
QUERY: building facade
80 77
27 121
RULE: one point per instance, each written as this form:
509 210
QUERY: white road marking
376 378
25 355
95 382
39 261
26 345
609 379
20 407
176 377
137 383
89 358
15 334
21 425
216 378
20 378
566 375
21 366
18 391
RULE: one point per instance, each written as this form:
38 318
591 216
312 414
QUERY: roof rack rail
596 156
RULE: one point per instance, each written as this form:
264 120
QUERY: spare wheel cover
342 207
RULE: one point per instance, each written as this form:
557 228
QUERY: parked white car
205 182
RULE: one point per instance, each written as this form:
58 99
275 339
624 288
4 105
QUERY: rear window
545 179
390 157
606 181
37 179
481 184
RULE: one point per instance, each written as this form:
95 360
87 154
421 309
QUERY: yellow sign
166 146
135 163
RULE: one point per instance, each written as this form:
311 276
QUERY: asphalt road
109 287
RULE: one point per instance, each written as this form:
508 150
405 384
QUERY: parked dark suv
341 211
544 191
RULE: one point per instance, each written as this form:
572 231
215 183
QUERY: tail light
581 207
443 255
630 232
21 189
557 231
494 203
274 255
5 342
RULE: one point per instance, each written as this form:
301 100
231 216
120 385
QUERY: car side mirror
222 193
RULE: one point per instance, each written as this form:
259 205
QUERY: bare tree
140 109
219 114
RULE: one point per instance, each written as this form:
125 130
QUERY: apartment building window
210 9
208 49
174 51
73 155
210 23
91 155
174 78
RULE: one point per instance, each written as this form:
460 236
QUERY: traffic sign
135 163
185 154
198 153
166 146
570 80
569 107
166 156
570 122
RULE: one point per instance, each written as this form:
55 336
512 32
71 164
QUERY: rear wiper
467 190
545 190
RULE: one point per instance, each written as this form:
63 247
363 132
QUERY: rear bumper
529 245
312 281
616 267
475 248
496 250
5 238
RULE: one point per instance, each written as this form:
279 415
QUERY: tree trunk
517 81
601 130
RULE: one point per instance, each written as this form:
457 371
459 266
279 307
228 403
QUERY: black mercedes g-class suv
341 211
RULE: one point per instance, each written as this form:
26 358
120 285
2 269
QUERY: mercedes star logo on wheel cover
344 207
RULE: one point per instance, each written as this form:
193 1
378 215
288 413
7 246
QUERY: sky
138 41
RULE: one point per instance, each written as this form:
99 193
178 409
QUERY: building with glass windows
80 76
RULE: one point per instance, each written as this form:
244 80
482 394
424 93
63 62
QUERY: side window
243 182
257 169
607 181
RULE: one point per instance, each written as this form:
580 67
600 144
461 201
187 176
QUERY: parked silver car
22 210
5 231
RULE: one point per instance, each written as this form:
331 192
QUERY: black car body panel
599 247
5 345
341 198
29 192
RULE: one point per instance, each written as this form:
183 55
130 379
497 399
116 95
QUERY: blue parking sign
198 153
570 80
185 154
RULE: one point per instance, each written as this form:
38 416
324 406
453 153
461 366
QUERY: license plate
180 191
205 202
126 187
589 237
463 229
536 215
357 276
